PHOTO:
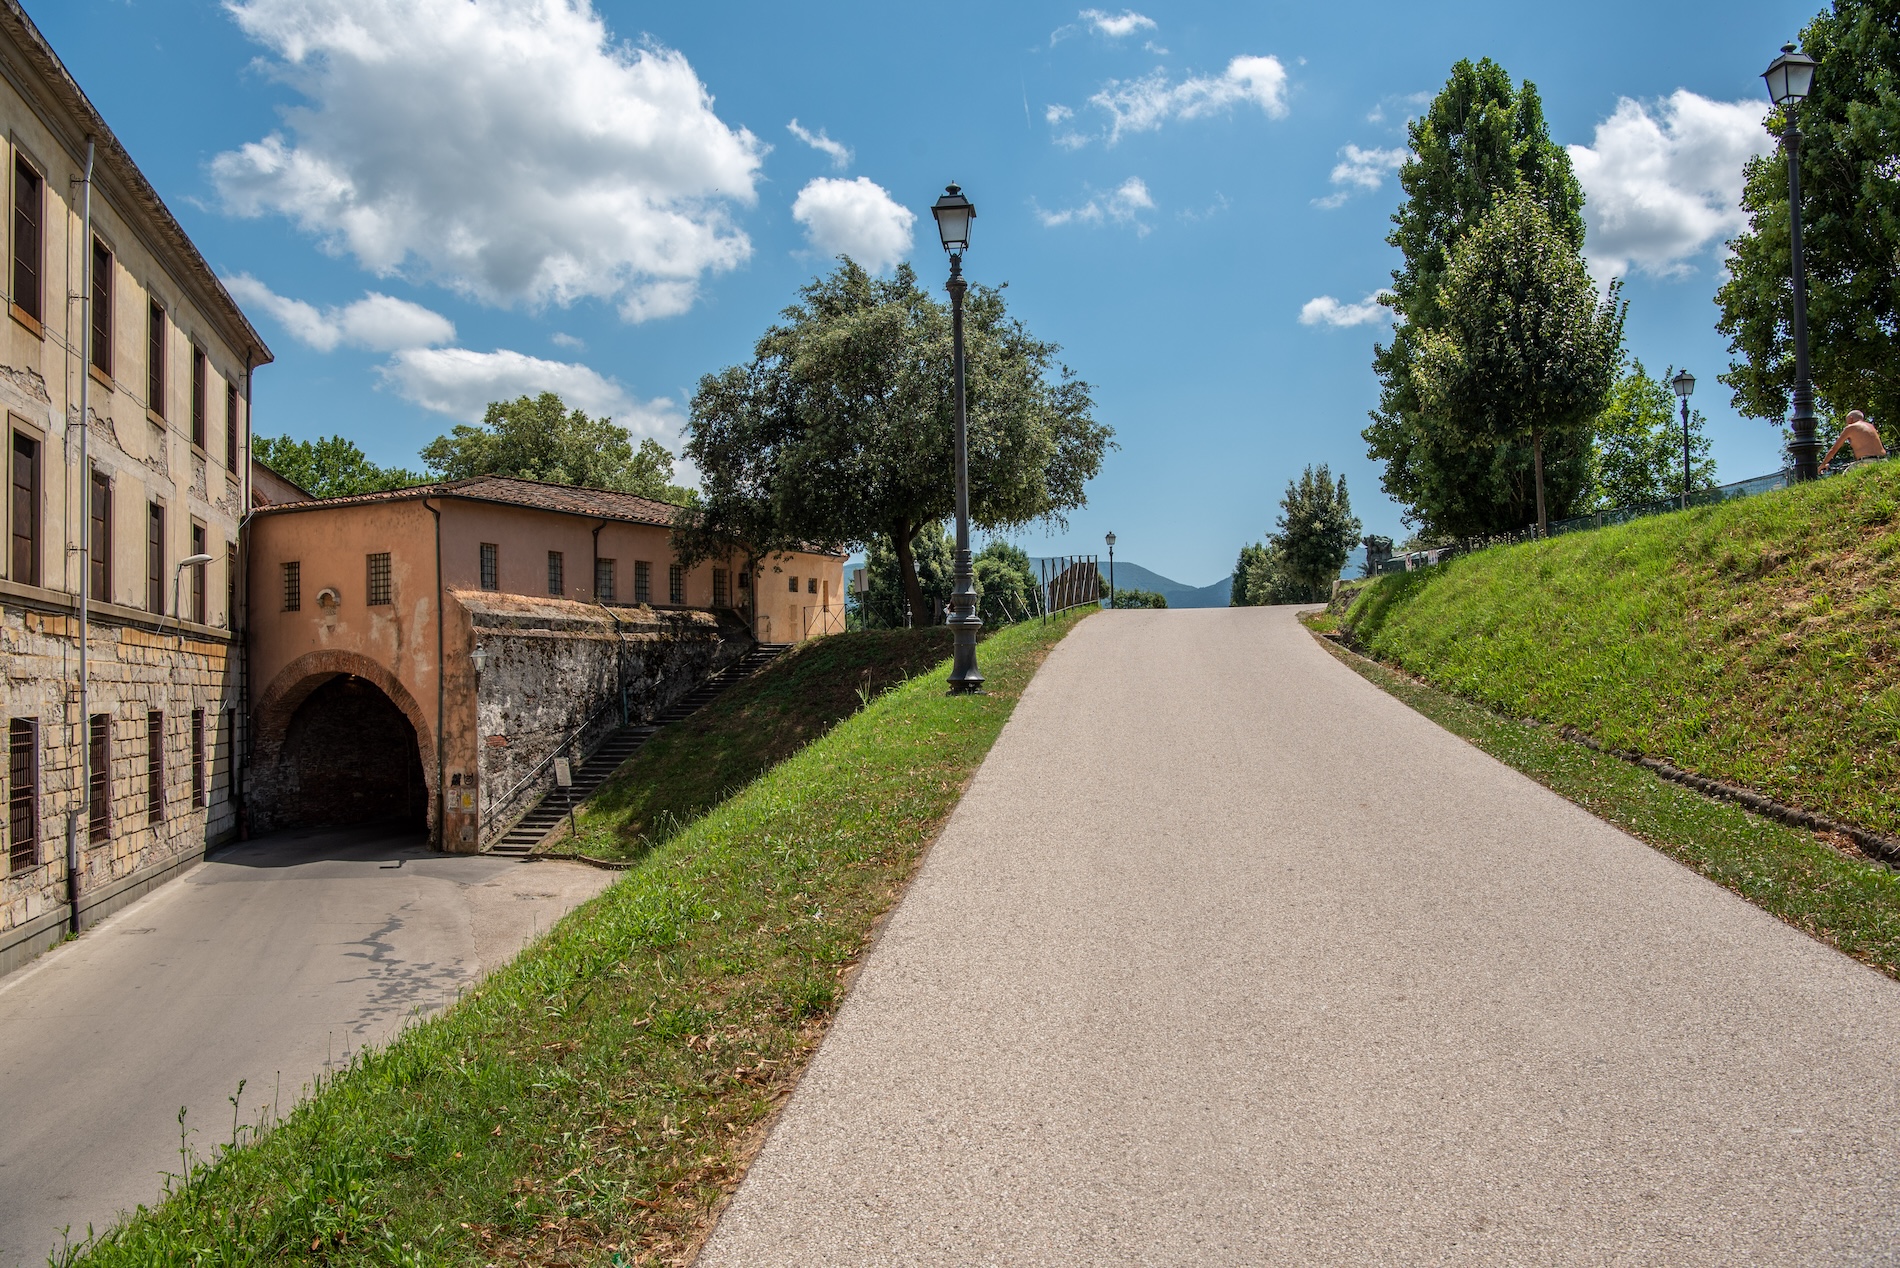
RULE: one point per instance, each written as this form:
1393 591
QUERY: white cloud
1327 311
508 149
857 218
1123 206
1143 105
1663 181
1058 114
1361 169
460 382
378 322
561 339
839 152
1116 25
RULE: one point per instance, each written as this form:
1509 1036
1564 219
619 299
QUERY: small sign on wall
563 773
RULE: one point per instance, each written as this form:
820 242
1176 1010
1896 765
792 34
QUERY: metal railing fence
1070 581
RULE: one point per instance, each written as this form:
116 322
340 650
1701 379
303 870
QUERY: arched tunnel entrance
350 756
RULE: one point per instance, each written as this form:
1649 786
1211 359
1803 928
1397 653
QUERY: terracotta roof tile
511 491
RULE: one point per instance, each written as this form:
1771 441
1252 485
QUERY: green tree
1639 443
539 438
1527 349
839 430
1315 532
1481 137
1850 200
1139 599
329 466
1006 584
1261 578
934 554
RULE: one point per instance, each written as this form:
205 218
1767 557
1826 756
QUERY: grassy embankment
592 1102
1754 643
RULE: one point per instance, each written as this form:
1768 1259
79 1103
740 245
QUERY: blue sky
426 202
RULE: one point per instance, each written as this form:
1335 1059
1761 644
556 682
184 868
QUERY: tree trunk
1537 460
907 575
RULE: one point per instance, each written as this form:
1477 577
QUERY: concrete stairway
533 828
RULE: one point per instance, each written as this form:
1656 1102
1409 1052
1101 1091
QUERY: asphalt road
1228 958
271 963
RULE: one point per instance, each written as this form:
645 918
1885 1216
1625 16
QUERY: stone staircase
533 828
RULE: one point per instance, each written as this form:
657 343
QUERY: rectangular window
154 767
23 794
230 586
604 580
811 585
99 777
155 558
491 566
101 308
28 254
99 545
721 599
675 584
745 579
379 579
557 574
155 359
198 612
197 759
230 428
200 387
26 509
293 586
791 583
642 581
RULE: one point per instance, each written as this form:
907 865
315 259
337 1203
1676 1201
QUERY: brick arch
293 685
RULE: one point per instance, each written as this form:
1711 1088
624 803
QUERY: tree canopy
1639 443
1297 563
1481 138
1850 198
540 438
329 466
839 431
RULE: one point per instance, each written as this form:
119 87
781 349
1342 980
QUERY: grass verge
593 1101
694 764
1821 887
1756 642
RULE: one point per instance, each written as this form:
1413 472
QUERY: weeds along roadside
594 1101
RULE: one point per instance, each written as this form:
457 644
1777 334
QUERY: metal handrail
507 799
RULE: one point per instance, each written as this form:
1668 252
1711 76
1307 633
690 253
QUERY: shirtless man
1860 436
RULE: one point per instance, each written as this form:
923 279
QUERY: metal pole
964 678
1685 453
1805 448
82 821
1111 576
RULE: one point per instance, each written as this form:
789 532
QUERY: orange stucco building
366 613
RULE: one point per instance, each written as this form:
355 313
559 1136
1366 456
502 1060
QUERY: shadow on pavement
386 843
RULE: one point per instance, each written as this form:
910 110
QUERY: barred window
155 767
791 583
197 759
23 794
721 599
604 580
811 585
745 579
557 574
675 584
379 579
99 777
293 586
491 566
642 581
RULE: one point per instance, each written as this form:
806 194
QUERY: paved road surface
1229 958
273 962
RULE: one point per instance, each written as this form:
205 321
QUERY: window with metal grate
378 587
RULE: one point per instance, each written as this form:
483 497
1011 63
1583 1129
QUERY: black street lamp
1790 79
1684 383
954 213
1111 569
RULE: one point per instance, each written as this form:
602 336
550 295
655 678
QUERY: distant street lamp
1684 383
1111 569
954 213
1789 79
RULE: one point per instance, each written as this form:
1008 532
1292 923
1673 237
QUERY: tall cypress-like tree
1481 138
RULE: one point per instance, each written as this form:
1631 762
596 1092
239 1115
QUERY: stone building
125 373
472 628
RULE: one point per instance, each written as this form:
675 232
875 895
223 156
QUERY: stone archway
338 739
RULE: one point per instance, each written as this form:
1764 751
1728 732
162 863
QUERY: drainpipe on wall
241 633
441 694
83 817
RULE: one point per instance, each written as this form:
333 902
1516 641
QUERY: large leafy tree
934 555
1315 532
540 438
1639 443
329 466
1850 199
1482 137
1526 349
839 430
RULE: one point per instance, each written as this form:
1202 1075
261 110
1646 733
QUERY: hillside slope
1756 642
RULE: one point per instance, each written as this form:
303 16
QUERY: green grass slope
1756 642
693 765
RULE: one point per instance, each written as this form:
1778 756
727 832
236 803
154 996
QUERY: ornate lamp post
1790 78
1110 539
954 213
1684 383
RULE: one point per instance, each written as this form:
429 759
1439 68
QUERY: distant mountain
1132 576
